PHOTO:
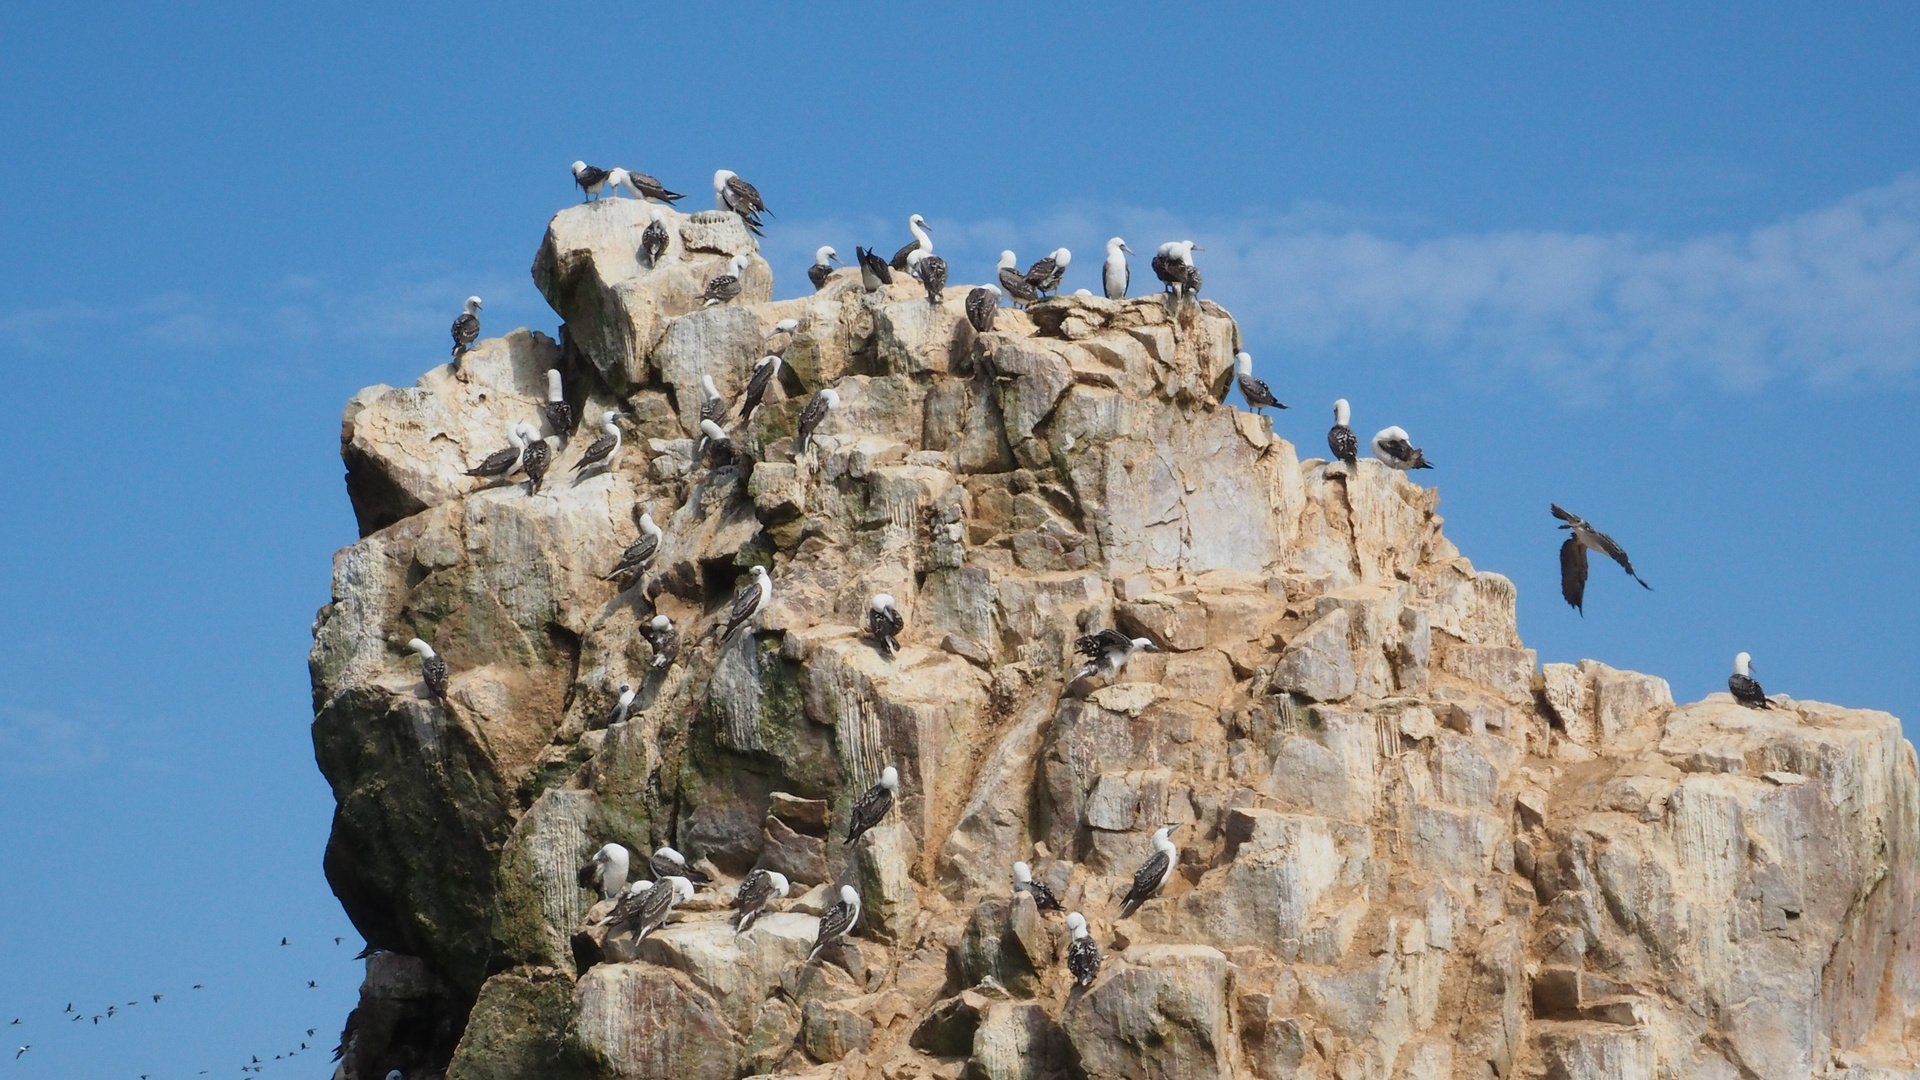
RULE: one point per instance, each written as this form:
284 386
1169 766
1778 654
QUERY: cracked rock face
1405 847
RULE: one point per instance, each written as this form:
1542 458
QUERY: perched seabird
503 462
1083 954
764 371
874 272
639 554
1743 687
918 226
433 668
466 328
1115 274
666 862
664 639
606 448
1015 283
1108 651
534 461
1173 265
884 623
761 886
641 186
715 444
1340 438
592 180
837 922
1088 293
559 410
748 600
821 271
873 805
724 287
714 407
1045 275
983 304
1394 451
931 270
606 872
621 706
650 911
1253 389
732 193
823 402
1573 556
1023 882
1154 873
653 242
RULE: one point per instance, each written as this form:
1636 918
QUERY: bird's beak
1126 249
1197 247
834 258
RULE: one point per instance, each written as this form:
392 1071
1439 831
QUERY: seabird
1743 687
433 668
1107 652
1023 882
1045 275
764 371
874 272
983 304
1573 556
22 1050
760 886
466 328
592 180
1115 274
724 287
503 462
641 186
780 338
639 554
559 411
931 269
1340 438
873 805
747 601
606 448
1154 873
664 638
621 706
732 193
1253 389
916 225
653 242
823 402
666 862
884 623
714 407
1015 283
1393 449
715 444
606 872
1083 954
534 461
1173 265
837 922
1088 293
821 271
651 908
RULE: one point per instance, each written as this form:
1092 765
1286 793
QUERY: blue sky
1661 267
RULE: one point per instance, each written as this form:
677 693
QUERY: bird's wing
1083 959
812 414
590 875
893 621
1617 554
1041 270
1397 448
745 600
1573 572
744 195
754 891
640 550
1147 878
1571 519
837 921
979 306
1043 897
600 448
495 462
1343 442
899 260
757 385
1098 645
868 811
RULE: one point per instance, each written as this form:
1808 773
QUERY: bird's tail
670 196
1643 583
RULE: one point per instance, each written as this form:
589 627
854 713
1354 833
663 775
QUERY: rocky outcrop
1407 849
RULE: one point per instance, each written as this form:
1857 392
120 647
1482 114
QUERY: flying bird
559 411
641 186
1573 556
606 872
983 303
821 271
873 805
1013 282
433 668
534 461
1045 275
1396 452
918 226
884 623
724 287
22 1050
592 180
666 863
1083 954
621 706
1153 874
764 371
839 920
1253 390
931 270
1115 274
466 328
1023 882
664 638
748 601
1340 438
760 887
874 271
732 193
605 449
641 553
283 941
1107 652
1741 684
823 402
653 240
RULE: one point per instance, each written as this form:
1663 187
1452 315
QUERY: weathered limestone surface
1407 848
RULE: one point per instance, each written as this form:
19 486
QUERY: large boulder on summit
1406 847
